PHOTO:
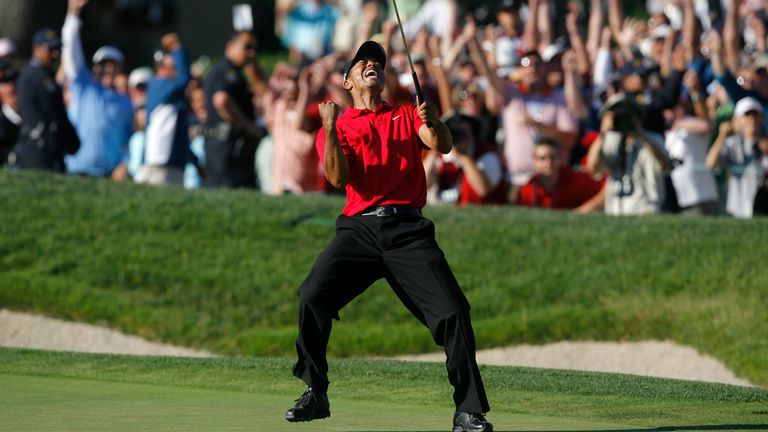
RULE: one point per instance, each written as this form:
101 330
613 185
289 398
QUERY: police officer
46 133
231 134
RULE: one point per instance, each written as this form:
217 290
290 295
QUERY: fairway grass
218 270
45 391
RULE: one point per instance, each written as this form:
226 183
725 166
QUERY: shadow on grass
733 427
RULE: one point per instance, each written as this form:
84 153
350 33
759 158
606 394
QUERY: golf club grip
419 94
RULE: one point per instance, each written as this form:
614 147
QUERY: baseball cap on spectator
7 47
760 61
747 104
552 51
661 31
634 67
139 76
108 53
46 37
369 49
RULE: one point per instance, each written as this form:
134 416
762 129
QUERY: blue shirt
103 119
170 92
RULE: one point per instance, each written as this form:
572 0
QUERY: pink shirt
295 164
550 109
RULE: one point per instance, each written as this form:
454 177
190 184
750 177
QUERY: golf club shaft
416 85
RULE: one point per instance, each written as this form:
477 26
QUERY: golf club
419 93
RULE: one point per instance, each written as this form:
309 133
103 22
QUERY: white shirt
693 181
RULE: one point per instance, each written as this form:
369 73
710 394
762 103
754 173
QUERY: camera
626 112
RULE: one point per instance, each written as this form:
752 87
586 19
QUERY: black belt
391 210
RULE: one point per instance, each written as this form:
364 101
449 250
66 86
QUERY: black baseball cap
369 49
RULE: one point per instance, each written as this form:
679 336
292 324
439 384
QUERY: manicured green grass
219 270
82 392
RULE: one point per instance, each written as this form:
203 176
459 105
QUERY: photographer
633 157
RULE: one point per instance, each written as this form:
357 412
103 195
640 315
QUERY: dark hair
541 140
235 35
8 74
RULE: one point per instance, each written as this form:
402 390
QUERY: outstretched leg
426 285
345 269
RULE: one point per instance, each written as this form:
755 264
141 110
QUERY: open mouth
371 73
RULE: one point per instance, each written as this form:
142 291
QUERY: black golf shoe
310 406
470 422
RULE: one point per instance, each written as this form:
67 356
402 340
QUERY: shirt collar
380 108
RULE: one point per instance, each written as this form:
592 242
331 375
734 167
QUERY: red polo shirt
384 154
573 189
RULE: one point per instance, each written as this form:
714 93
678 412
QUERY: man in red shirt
556 186
373 150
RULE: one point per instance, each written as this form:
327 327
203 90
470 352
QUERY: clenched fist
329 112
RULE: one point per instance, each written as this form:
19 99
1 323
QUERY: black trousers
403 250
230 162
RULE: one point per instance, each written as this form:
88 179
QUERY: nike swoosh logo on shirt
395 118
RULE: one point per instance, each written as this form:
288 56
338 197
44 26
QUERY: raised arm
580 54
572 87
603 68
731 38
334 161
531 31
689 31
757 25
172 44
72 57
713 156
594 155
595 28
615 18
437 137
434 65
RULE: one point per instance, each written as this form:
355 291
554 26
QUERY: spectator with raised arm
529 108
102 116
741 149
167 137
753 80
295 162
472 173
557 186
687 141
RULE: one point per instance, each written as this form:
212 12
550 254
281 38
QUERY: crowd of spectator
554 104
